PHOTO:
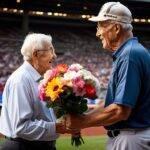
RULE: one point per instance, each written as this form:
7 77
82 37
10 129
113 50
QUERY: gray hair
126 26
34 42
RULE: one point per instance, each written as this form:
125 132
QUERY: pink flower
42 94
54 73
49 75
79 86
75 67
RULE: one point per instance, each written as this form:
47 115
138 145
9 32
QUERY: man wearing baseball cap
126 113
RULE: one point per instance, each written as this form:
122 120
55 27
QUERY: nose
54 56
53 53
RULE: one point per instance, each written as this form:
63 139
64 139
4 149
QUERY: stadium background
73 35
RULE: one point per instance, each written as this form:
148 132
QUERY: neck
122 39
35 66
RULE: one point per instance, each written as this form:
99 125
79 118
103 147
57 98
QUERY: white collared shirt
23 114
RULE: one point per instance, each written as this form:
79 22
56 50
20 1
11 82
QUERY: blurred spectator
72 46
1 90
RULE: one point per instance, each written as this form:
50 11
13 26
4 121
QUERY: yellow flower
54 88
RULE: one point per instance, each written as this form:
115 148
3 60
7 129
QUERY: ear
34 54
118 28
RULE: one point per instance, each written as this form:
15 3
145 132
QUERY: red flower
62 68
90 91
1 87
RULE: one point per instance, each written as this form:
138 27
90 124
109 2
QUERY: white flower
85 74
70 75
75 67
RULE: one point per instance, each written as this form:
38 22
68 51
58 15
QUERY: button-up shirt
23 114
129 84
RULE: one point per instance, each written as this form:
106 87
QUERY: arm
111 114
126 95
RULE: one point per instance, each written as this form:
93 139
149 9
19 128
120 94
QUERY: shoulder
135 51
19 76
138 50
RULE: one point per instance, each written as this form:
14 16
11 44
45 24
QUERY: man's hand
62 128
75 122
98 117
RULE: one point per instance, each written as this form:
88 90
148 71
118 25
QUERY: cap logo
111 16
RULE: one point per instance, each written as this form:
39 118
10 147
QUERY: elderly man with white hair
25 121
126 113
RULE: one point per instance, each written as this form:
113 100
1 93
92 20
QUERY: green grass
91 143
1 141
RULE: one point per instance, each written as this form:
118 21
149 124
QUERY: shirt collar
32 71
118 52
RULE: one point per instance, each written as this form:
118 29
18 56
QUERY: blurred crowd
98 63
72 46
9 61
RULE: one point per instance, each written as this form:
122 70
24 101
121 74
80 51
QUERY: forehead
48 46
103 23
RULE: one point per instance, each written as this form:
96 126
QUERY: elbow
20 129
123 113
123 116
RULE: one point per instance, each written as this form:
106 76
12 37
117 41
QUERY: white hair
33 42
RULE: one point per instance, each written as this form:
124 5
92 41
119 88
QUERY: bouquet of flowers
66 89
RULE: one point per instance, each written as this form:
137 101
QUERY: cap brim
97 19
94 19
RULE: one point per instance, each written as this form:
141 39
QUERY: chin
107 48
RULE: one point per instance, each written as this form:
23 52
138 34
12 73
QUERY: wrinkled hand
62 127
74 122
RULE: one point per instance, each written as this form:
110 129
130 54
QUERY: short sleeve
128 84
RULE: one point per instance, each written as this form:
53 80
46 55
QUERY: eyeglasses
50 49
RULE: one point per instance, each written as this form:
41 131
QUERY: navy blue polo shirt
129 84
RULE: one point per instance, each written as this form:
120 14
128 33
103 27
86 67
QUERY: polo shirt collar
32 71
118 52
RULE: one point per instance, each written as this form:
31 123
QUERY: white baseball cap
113 11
